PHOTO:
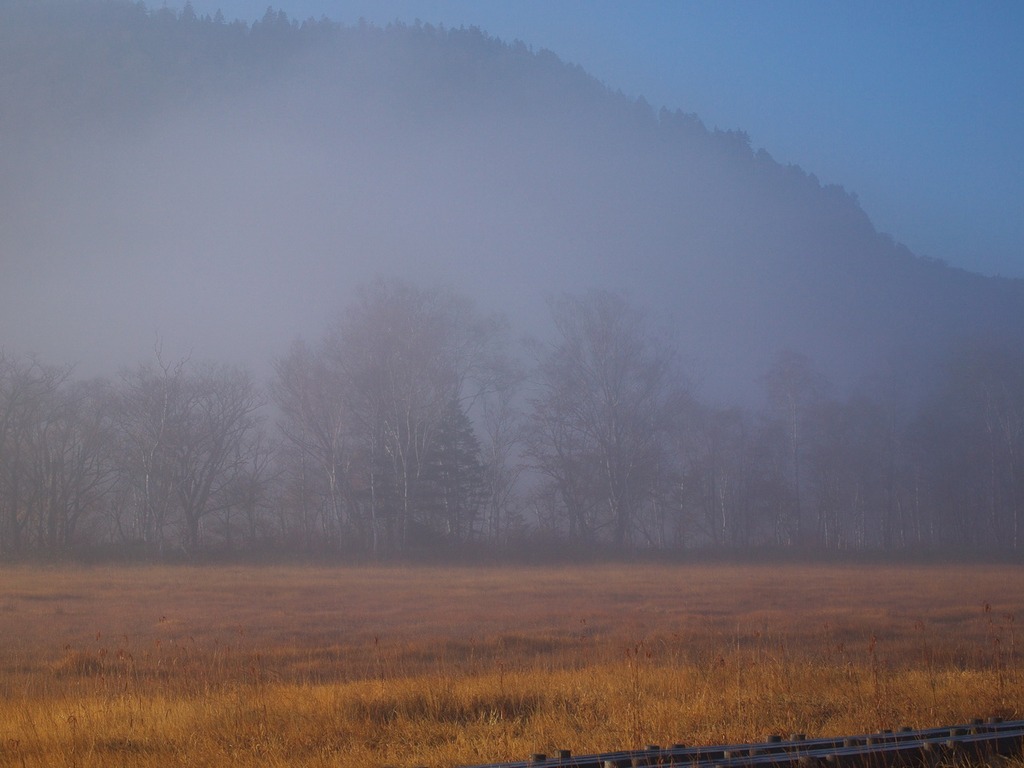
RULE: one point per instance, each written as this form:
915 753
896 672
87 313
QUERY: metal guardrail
907 748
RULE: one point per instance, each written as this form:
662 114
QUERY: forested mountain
217 189
225 186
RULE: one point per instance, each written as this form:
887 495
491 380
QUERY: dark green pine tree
454 482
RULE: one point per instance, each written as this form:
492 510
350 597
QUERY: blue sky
917 107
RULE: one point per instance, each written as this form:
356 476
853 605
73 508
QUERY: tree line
413 425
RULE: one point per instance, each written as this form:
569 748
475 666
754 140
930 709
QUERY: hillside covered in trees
244 267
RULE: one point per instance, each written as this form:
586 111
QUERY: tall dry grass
409 666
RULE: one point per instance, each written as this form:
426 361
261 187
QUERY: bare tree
242 516
71 463
28 399
715 456
184 439
602 400
502 427
213 448
430 349
316 422
370 403
149 414
794 388
971 445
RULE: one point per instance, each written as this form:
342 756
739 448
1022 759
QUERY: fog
230 227
234 218
302 259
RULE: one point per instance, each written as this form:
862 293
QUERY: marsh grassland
439 666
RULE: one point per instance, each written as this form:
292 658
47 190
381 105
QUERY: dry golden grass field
441 666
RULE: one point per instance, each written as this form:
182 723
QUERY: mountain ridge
231 183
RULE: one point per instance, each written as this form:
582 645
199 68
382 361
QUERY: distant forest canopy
67 64
726 353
